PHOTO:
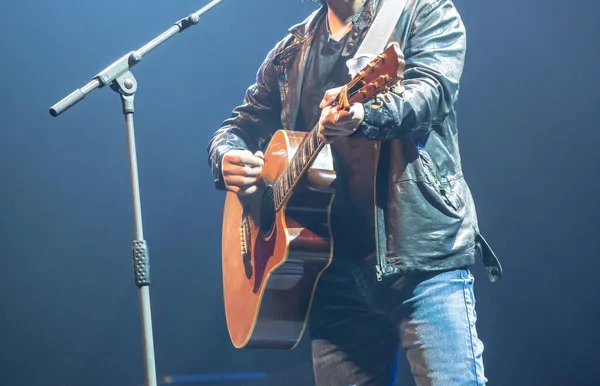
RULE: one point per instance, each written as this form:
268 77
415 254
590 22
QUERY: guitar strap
378 35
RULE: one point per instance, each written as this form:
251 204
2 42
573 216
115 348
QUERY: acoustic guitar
277 242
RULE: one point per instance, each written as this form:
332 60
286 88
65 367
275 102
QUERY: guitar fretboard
305 155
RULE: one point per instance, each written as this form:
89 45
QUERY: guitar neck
300 163
378 76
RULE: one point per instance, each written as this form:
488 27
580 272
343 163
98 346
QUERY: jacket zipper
380 263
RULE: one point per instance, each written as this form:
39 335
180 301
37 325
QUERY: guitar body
277 242
272 260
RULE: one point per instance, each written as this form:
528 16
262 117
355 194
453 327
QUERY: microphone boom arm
125 63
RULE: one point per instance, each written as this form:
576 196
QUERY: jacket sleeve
252 123
434 55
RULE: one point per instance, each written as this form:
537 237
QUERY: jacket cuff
216 168
379 123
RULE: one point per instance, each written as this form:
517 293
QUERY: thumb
330 96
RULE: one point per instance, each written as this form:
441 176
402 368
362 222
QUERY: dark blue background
68 307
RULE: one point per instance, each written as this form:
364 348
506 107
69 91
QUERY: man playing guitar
403 220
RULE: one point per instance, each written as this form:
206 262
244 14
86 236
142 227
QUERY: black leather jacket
425 215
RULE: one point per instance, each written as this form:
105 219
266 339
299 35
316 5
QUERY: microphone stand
122 81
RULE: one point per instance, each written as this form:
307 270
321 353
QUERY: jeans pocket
470 301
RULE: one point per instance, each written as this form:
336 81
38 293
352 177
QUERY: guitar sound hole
267 212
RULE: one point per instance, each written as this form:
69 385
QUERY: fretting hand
336 122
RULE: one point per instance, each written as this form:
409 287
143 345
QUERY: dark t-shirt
352 216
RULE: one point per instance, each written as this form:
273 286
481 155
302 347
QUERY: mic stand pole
122 81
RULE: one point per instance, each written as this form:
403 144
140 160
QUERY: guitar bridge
245 237
246 244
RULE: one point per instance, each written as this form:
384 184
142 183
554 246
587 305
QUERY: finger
240 181
328 115
247 190
247 159
260 155
352 117
330 96
351 120
342 116
238 170
355 113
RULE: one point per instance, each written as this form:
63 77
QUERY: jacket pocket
443 189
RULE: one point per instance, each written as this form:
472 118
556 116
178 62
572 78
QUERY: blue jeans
357 326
